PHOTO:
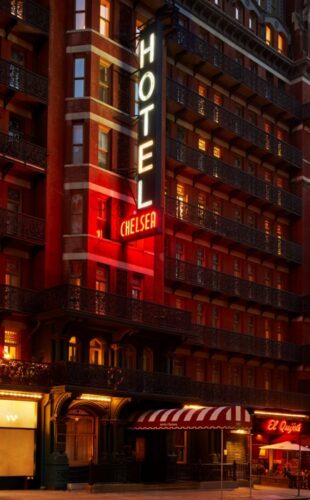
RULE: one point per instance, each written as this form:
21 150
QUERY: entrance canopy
223 417
286 446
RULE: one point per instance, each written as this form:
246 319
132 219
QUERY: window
181 201
80 14
268 129
280 140
15 71
236 375
215 262
215 318
202 91
279 235
202 145
218 101
200 314
12 272
238 161
147 360
104 82
201 206
102 286
11 346
252 22
251 272
73 350
104 18
251 220
268 35
237 215
180 446
77 213
79 77
250 377
16 127
103 218
217 152
238 13
216 372
136 289
103 149
77 143
267 331
267 379
178 366
96 352
17 8
251 325
236 322
130 357
280 44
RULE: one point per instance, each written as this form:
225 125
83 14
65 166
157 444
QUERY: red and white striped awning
223 417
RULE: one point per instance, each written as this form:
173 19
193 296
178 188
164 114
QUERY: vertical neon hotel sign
146 221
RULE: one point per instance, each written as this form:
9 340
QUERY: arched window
96 352
130 357
74 350
280 43
268 35
147 359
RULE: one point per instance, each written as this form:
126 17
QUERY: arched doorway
81 437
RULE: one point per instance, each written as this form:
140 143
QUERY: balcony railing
233 176
231 286
14 147
245 235
246 344
19 79
83 300
208 53
135 382
22 227
27 11
15 299
204 108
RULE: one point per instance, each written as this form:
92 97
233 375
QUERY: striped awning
223 417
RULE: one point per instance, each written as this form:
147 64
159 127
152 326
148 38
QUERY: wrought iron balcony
231 286
13 225
249 345
205 109
15 299
15 148
28 12
119 381
205 220
19 79
233 176
207 53
79 300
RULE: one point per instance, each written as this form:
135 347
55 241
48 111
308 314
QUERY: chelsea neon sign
149 172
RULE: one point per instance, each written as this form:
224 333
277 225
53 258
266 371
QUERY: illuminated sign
145 221
150 117
140 225
282 426
18 414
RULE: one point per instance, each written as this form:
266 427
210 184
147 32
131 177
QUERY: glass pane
103 141
79 4
79 67
79 88
77 134
80 21
77 156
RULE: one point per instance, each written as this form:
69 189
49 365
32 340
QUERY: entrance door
80 438
154 468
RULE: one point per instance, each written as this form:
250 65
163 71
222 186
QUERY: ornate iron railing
204 108
85 300
19 79
27 11
246 344
232 230
233 176
208 53
231 286
14 299
21 227
123 381
14 147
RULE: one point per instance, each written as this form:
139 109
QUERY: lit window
103 226
103 149
182 197
267 128
80 14
217 99
202 144
201 205
104 82
130 357
102 286
237 13
77 213
77 143
136 289
252 23
251 273
11 347
280 43
215 262
202 90
12 272
280 142
96 352
217 152
79 77
73 350
268 35
267 226
17 8
267 328
105 17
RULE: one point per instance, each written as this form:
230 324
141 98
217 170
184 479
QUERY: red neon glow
274 425
140 224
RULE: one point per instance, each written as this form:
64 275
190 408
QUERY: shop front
195 444
280 454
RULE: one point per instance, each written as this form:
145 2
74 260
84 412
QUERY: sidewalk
258 493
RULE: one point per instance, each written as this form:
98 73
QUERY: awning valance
223 417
